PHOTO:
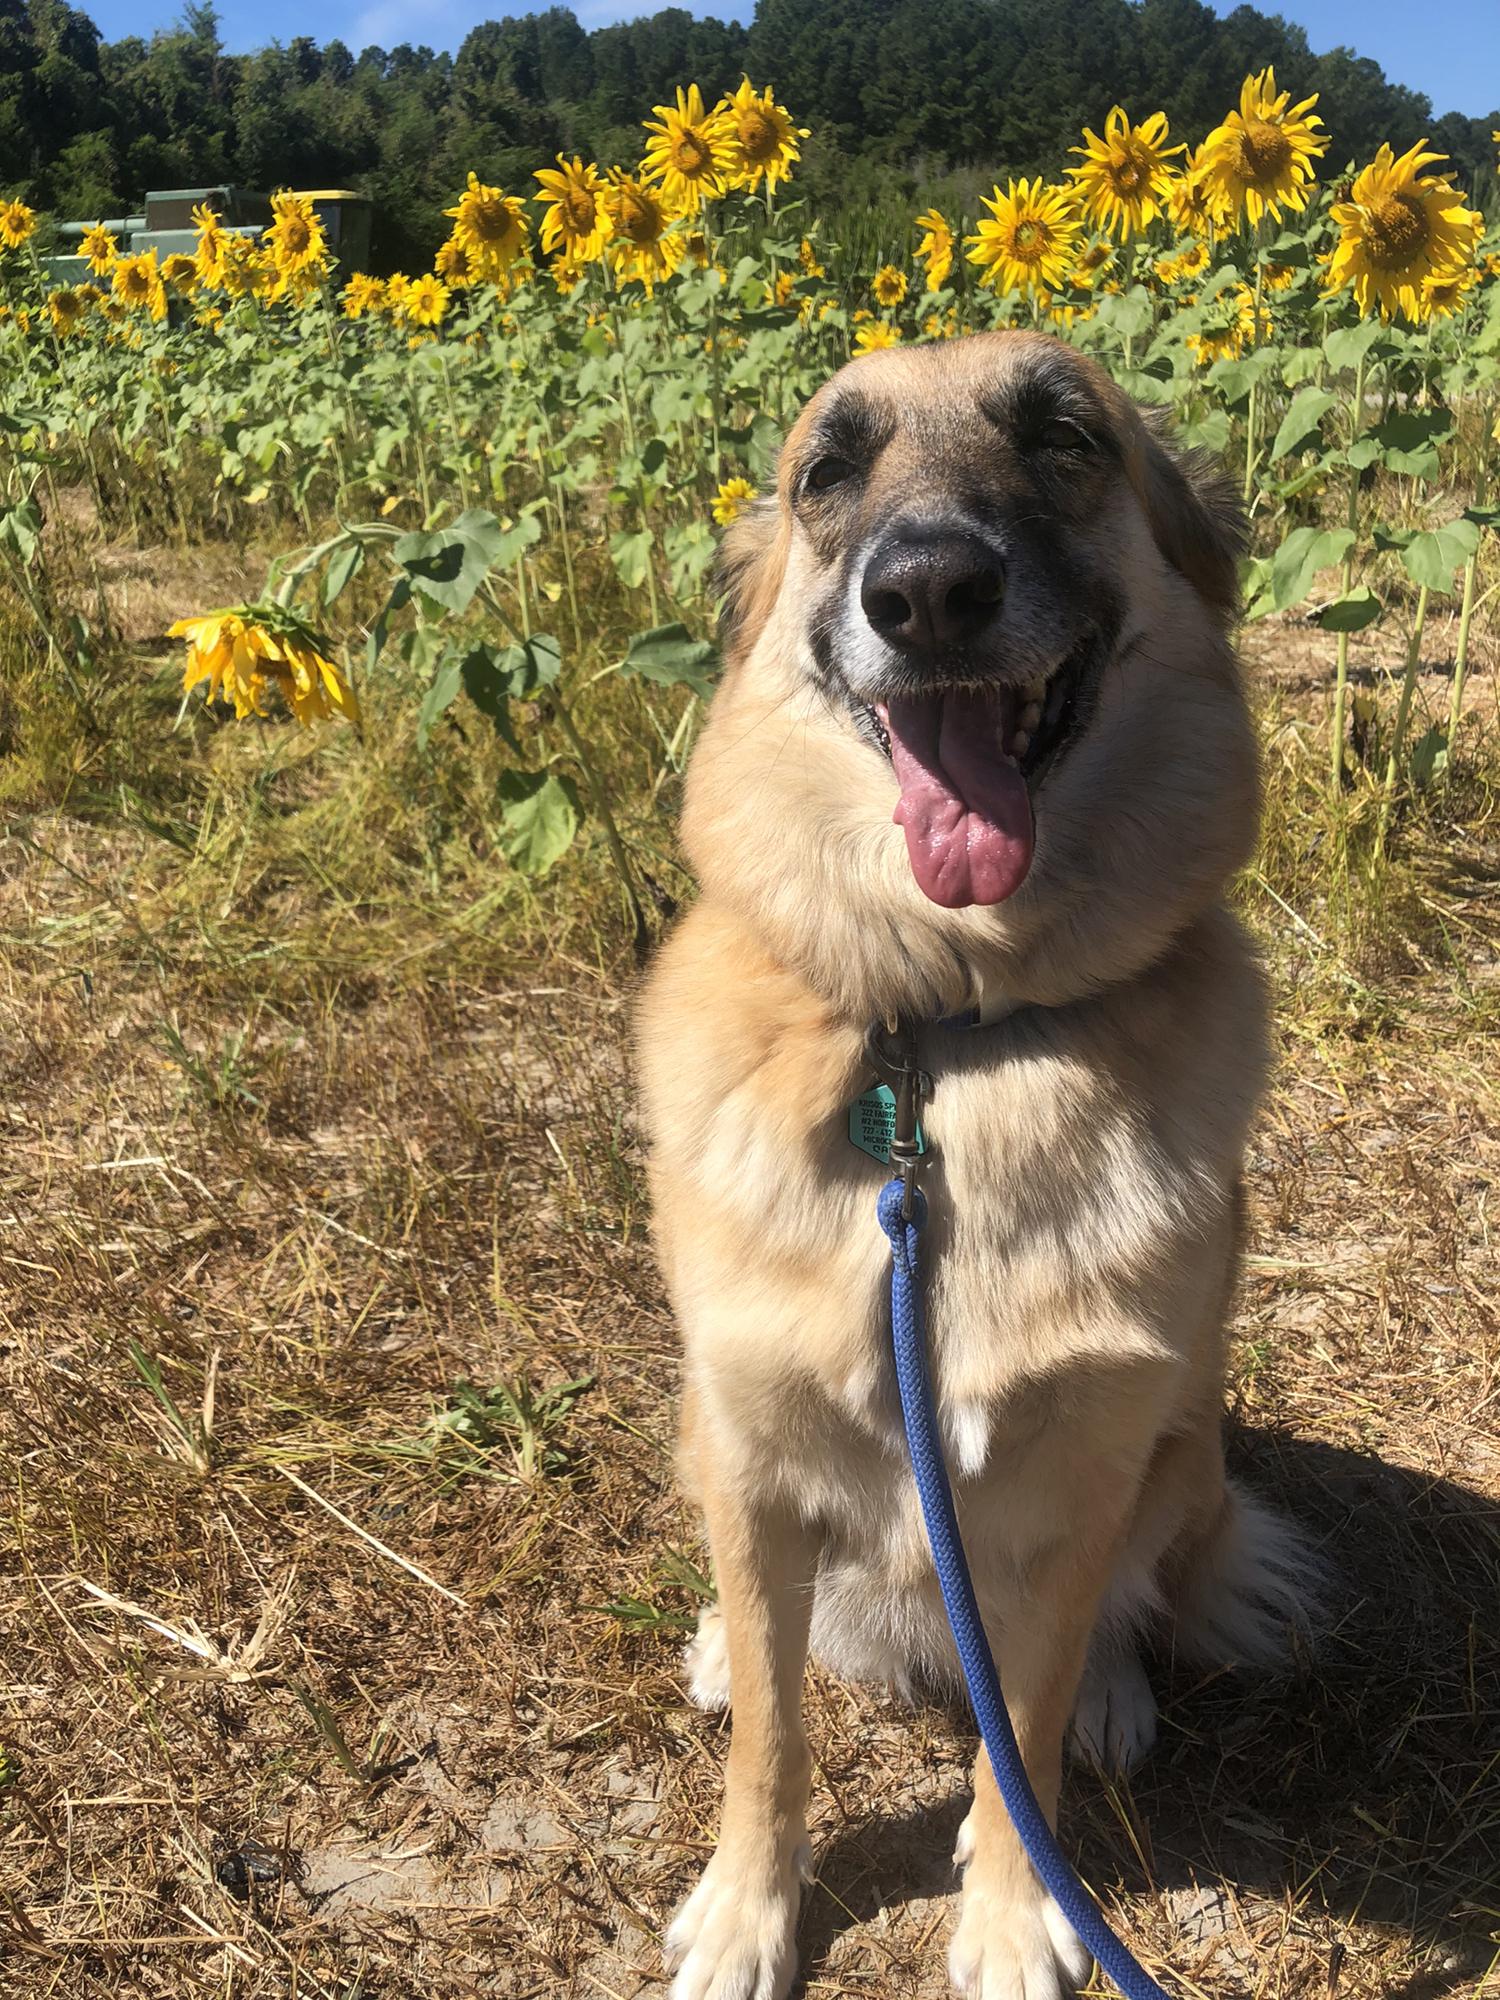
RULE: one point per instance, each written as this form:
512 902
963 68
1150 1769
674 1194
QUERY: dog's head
990 575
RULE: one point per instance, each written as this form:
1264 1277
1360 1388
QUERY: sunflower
492 227
138 285
641 246
807 257
1027 239
935 247
565 274
1091 263
688 151
363 294
98 248
295 238
1231 329
1124 180
1447 292
574 222
1399 226
212 239
874 335
1194 207
244 659
888 285
66 309
397 285
179 274
762 138
425 301
1260 159
731 500
1193 261
780 291
243 272
17 223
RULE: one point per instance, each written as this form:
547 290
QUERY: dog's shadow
1364 1784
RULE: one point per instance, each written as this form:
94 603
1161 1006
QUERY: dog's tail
1251 1584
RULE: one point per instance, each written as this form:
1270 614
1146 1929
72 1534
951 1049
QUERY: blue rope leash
919 1412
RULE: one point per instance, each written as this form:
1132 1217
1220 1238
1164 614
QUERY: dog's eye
1062 435
828 472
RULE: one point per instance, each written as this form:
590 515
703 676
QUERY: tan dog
987 600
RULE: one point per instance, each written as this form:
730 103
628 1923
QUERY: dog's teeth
1020 743
1030 715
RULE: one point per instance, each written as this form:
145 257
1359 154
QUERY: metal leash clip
893 1054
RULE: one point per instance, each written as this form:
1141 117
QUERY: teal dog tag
872 1123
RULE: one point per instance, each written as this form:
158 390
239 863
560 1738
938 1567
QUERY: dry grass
322 1680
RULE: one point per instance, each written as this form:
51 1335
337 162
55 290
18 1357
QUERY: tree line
897 93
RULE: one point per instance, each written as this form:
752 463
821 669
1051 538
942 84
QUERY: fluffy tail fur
1252 1583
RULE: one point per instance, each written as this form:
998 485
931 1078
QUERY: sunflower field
493 488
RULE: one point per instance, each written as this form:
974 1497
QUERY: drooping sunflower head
575 221
66 311
295 238
888 285
762 138
425 301
249 652
1124 177
688 151
1399 226
491 225
1026 241
643 245
17 224
1260 160
179 274
138 286
935 247
98 247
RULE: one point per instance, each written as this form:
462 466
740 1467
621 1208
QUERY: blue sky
1453 52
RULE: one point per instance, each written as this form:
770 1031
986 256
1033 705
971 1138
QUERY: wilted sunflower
17 223
295 238
425 301
244 658
179 274
574 221
762 138
888 285
1399 226
1260 159
138 285
491 225
688 152
642 246
363 294
99 248
935 247
1027 239
731 500
1124 179
874 335
212 237
66 311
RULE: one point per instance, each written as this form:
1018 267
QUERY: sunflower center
297 236
1398 230
1130 173
640 219
578 206
1265 152
1029 241
757 135
490 220
689 154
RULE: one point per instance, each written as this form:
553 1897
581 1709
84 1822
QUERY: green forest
898 93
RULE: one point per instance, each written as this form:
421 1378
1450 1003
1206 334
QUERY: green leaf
671 656
631 555
1432 557
1304 553
1299 427
21 530
449 564
342 570
1429 758
1408 441
541 816
1209 433
1352 613
439 698
1346 346
398 600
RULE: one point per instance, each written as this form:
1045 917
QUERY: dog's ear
752 557
1195 515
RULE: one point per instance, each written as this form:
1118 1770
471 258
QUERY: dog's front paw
1010 1947
735 1938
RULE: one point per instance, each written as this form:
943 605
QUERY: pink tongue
965 811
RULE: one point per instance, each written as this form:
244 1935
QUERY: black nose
929 593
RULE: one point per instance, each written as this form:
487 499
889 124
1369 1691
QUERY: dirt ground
322 1675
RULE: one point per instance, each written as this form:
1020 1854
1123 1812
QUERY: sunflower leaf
1300 426
449 564
1352 613
670 655
1432 557
541 815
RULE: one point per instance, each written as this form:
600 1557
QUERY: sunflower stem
1461 651
1403 712
1341 669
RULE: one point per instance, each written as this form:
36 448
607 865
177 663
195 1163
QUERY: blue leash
903 1210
